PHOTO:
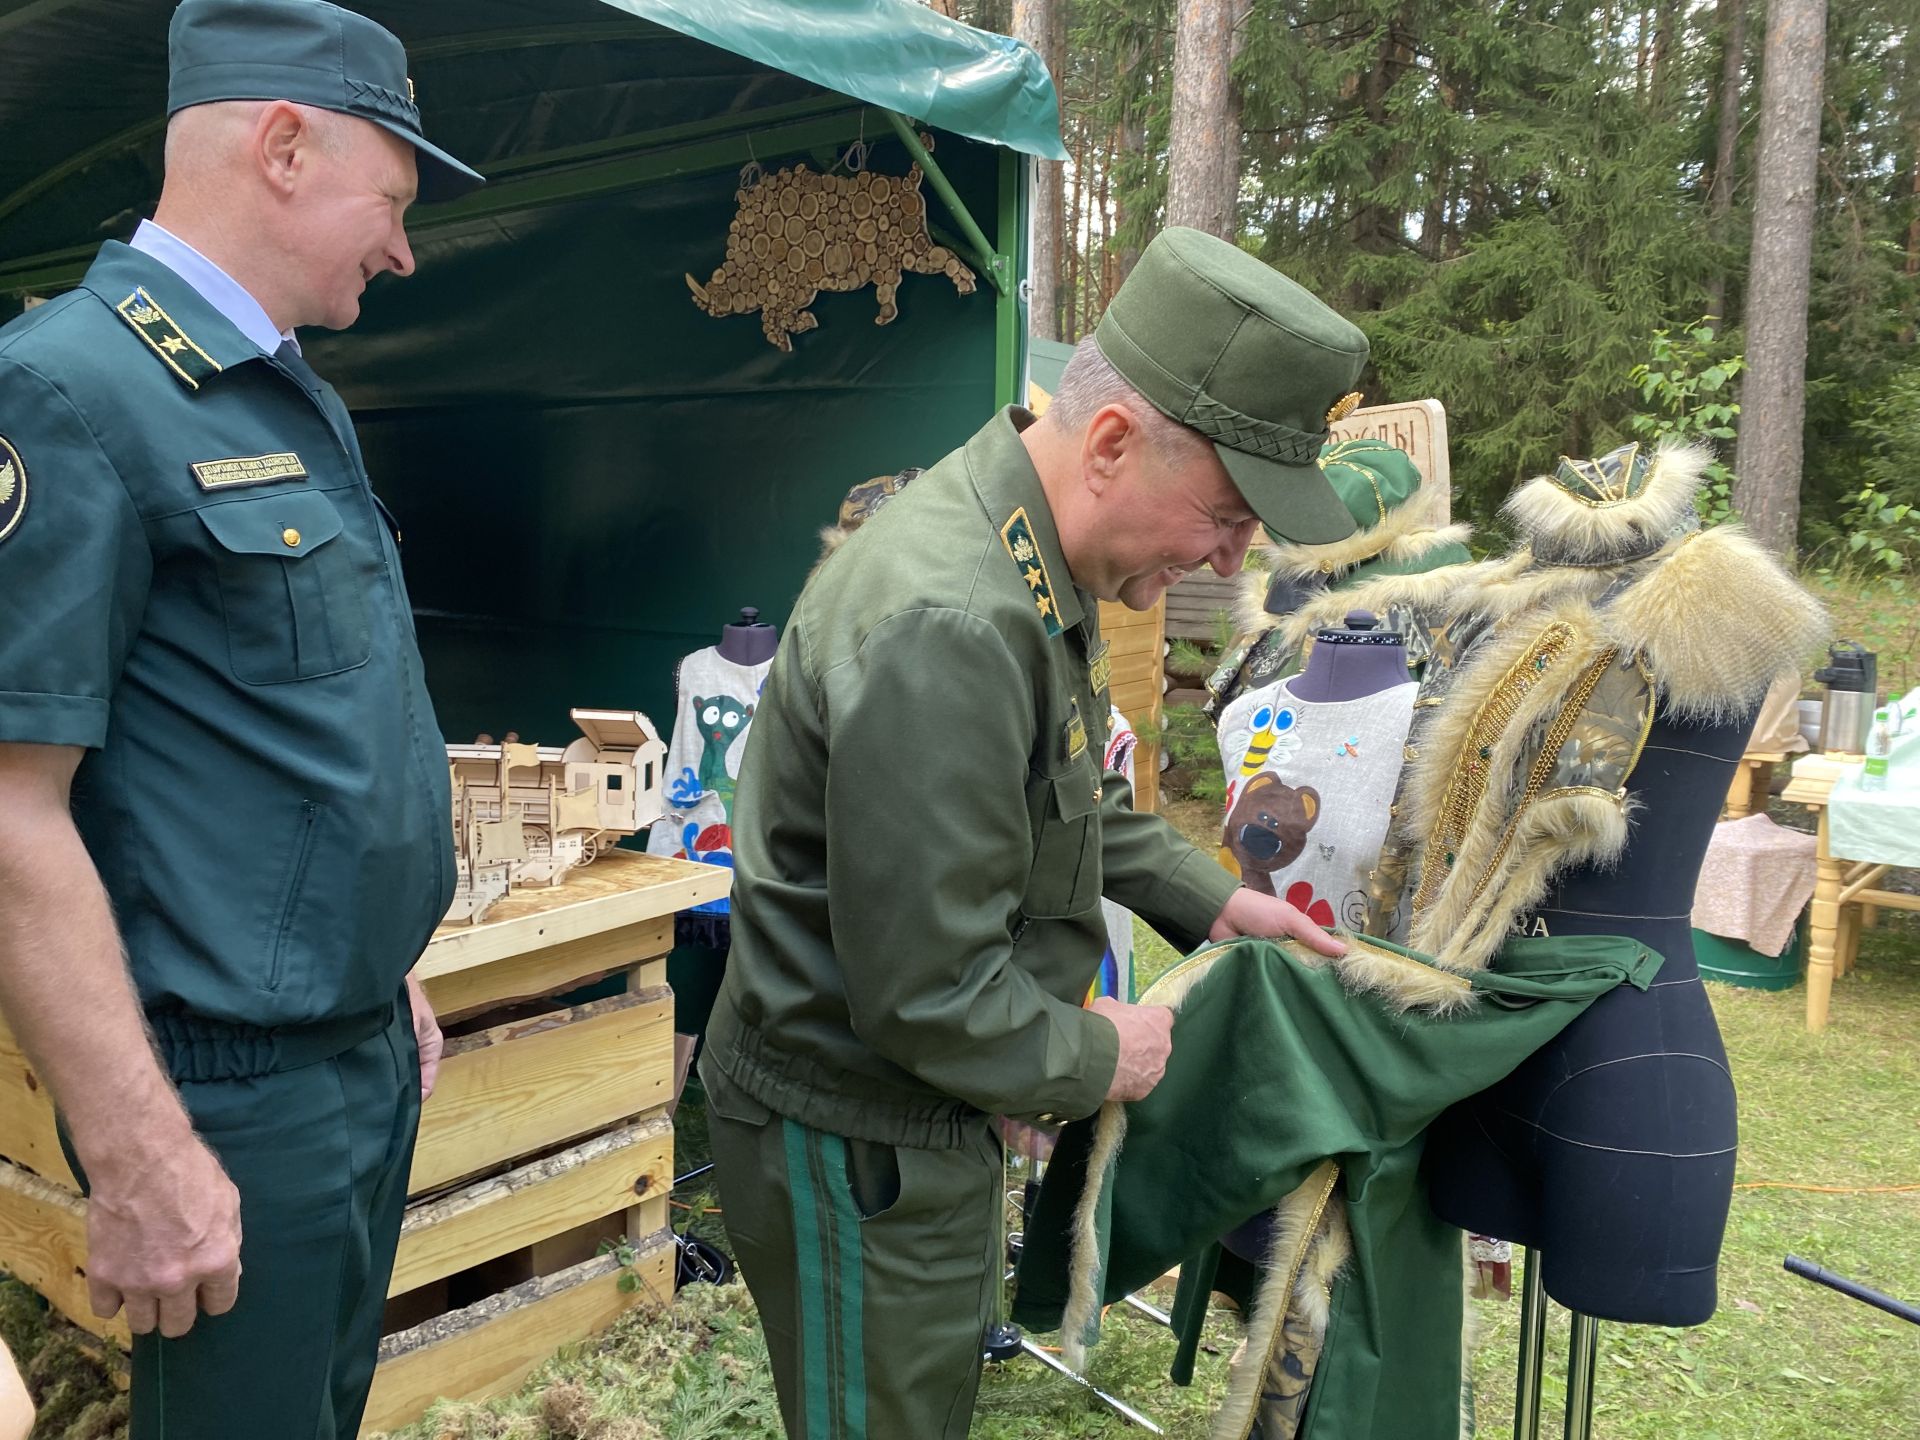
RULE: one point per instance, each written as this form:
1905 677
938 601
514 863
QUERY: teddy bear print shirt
1309 791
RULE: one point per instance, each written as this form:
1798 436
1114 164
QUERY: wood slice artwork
796 232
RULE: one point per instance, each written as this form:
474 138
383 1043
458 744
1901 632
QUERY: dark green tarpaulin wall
592 476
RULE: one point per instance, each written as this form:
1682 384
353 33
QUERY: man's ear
1112 441
283 143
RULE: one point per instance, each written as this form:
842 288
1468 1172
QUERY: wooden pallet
545 1142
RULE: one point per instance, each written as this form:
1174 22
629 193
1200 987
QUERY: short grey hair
1090 383
207 136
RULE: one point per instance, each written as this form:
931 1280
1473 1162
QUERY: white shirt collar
216 287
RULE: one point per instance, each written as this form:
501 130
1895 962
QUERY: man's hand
1248 912
1146 1039
163 1239
426 1034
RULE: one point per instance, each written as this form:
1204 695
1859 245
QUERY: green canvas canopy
592 475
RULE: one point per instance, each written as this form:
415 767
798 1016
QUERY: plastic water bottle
1879 746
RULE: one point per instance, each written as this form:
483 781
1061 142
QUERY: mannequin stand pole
1583 1349
1533 1351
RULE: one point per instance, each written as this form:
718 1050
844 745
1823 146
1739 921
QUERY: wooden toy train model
526 814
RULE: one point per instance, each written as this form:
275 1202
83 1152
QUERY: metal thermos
1846 715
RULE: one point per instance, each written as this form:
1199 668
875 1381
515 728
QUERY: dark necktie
324 395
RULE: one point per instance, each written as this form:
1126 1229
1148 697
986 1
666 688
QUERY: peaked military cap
1230 347
312 53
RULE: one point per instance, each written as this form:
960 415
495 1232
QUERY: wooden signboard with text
1418 427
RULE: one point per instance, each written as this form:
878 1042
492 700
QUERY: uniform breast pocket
294 604
1066 874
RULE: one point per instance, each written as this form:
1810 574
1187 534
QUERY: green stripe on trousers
826 1236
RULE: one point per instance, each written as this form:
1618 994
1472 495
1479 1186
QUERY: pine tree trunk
1733 40
1106 217
1240 16
1038 23
1202 57
1070 302
1133 133
1773 399
1667 22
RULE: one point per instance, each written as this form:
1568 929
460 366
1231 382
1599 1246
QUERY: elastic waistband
803 1090
195 1049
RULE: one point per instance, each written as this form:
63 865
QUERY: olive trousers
875 1268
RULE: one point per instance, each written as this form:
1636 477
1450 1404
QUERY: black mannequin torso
1350 661
748 640
1611 1150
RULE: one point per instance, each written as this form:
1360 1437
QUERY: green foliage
1687 382
1186 658
1883 518
624 1254
1188 737
1510 196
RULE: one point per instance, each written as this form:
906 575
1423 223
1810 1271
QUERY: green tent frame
591 475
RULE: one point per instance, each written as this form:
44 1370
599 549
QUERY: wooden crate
545 1141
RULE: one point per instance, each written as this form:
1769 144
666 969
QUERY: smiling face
1162 506
352 204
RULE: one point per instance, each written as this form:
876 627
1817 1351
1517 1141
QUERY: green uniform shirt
923 830
199 587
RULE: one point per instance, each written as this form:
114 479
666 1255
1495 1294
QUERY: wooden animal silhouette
798 232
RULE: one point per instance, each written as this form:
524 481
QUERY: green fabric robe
1299 1088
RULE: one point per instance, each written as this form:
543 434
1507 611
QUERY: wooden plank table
1845 892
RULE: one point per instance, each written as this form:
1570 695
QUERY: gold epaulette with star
1017 536
189 363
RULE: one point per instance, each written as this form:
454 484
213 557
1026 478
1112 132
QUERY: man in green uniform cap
923 833
226 797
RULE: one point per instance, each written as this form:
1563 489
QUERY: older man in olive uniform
923 831
225 792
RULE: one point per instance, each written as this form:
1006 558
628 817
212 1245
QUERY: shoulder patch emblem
13 488
1017 536
248 470
189 363
1076 731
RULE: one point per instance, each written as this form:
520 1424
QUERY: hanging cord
854 159
751 173
1827 1189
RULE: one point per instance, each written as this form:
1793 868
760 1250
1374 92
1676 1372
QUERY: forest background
1541 214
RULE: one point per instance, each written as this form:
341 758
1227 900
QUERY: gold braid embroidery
1544 762
1469 784
1285 1301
